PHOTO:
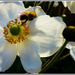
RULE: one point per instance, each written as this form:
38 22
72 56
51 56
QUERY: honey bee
27 15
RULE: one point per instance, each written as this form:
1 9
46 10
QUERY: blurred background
65 63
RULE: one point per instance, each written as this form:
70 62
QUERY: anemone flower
56 3
42 37
65 3
70 5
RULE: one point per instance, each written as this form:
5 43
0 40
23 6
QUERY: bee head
23 16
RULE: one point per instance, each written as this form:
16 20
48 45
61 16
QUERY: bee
27 15
31 15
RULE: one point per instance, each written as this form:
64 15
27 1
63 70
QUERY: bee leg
24 22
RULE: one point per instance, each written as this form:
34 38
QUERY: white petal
55 3
1 1
1 32
71 6
30 59
70 44
47 32
65 3
2 39
9 11
38 10
7 54
72 52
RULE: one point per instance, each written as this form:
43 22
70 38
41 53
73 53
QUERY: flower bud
69 33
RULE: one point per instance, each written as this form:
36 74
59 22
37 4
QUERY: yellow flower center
15 32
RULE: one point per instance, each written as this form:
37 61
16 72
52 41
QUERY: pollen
14 26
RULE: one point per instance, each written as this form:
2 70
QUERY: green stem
40 3
64 11
55 57
19 66
51 8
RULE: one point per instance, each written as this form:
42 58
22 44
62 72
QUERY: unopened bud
69 33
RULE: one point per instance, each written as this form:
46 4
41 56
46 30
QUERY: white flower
42 37
65 3
70 5
71 46
55 3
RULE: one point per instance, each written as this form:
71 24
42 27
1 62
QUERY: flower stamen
12 28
